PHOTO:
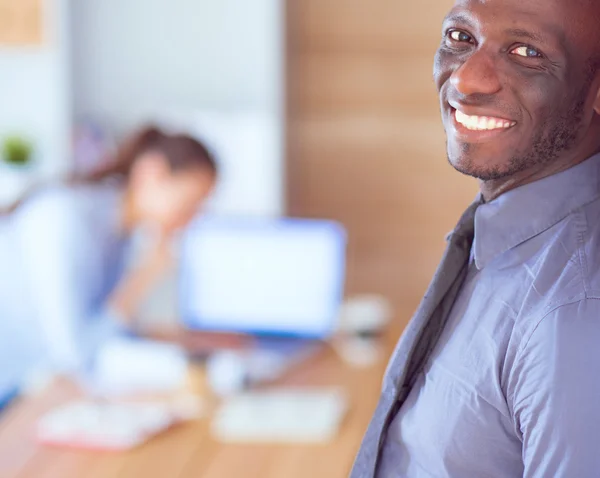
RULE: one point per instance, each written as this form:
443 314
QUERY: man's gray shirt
512 388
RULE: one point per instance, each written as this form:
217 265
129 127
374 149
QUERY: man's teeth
481 123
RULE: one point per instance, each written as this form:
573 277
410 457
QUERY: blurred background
317 109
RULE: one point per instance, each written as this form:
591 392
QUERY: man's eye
526 52
459 36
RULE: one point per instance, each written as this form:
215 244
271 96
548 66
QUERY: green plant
17 150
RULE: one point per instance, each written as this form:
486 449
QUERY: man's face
515 80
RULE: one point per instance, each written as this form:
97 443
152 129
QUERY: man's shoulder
559 267
586 228
556 267
567 255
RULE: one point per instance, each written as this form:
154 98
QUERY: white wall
136 56
34 91
138 60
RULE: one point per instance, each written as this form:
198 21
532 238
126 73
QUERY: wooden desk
189 451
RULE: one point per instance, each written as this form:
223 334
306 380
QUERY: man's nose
477 74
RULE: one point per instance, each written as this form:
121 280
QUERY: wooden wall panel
356 25
364 138
21 22
363 84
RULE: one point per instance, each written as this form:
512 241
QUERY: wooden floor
189 451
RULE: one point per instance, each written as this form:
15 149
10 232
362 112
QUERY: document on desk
285 415
129 366
113 426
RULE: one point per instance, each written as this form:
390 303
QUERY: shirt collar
524 212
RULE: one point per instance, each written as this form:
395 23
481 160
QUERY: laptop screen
281 277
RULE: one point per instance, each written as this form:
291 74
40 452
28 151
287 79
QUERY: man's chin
484 171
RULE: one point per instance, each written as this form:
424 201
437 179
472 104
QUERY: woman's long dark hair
179 150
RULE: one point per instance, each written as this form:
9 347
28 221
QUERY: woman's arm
136 285
61 259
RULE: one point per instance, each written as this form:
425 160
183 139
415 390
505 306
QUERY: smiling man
498 373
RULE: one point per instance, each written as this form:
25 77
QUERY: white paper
139 366
289 415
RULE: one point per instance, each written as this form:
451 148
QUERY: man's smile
481 123
474 125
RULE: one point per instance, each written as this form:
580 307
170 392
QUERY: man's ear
597 101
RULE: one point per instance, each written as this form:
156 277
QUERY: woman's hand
159 258
155 263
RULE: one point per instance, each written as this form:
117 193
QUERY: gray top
512 388
72 254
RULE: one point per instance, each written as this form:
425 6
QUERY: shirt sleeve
556 394
57 254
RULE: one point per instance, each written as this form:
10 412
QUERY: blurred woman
75 240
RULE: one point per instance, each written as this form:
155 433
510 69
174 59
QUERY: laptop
280 281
